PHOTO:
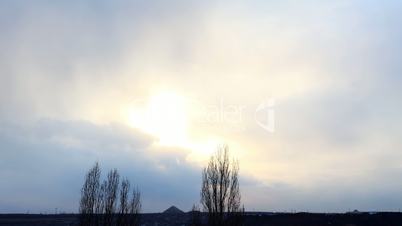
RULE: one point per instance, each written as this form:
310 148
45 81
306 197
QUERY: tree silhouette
112 186
101 203
89 196
124 203
220 192
135 208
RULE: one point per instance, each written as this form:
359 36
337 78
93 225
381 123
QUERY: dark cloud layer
42 166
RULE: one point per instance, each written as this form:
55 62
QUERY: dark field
251 219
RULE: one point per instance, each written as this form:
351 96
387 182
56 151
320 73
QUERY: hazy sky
152 87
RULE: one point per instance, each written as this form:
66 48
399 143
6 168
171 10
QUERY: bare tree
220 193
89 193
101 203
110 196
135 208
124 203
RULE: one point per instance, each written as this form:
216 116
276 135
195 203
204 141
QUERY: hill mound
173 210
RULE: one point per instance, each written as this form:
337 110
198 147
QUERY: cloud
44 165
68 70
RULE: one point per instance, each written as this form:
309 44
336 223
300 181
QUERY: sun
168 117
163 115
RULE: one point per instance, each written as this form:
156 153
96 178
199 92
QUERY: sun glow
163 115
167 116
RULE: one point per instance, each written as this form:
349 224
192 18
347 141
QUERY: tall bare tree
135 208
101 203
89 196
220 192
110 196
124 203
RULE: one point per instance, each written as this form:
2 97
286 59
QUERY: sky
306 94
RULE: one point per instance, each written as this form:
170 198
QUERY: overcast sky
77 78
